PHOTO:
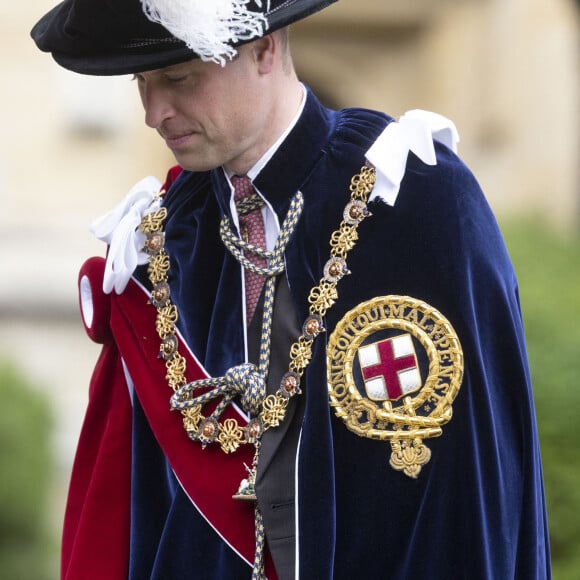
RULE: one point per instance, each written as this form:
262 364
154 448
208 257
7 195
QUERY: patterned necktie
253 232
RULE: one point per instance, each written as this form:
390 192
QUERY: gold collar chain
229 433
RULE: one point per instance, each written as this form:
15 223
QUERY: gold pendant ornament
247 488
376 359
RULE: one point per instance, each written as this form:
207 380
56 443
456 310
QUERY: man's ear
265 50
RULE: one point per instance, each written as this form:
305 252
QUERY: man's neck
263 161
286 113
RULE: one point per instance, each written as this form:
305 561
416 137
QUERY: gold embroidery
409 455
409 418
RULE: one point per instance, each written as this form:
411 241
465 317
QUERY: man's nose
158 107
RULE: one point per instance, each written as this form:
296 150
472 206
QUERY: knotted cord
246 380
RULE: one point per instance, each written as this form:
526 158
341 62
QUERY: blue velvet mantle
477 509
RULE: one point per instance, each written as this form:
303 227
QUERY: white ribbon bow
414 132
119 229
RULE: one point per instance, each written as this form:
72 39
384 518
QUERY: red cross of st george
389 367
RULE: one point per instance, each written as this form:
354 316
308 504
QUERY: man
332 314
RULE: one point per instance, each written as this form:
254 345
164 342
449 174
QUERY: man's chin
192 162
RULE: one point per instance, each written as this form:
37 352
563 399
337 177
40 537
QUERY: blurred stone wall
507 72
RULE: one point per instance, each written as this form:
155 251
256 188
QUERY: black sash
276 467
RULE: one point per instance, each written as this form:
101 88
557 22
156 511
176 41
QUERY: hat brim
112 64
160 53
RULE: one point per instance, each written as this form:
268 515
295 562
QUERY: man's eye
176 79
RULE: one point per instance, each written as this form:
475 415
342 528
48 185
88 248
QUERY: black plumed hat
113 37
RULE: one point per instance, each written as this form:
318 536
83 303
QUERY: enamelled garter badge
395 366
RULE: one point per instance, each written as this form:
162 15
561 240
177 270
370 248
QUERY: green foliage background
26 549
548 268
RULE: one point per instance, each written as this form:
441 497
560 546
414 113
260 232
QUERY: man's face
209 115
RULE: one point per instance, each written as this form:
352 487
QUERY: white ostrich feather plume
208 27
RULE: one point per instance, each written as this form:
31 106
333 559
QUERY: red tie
252 231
